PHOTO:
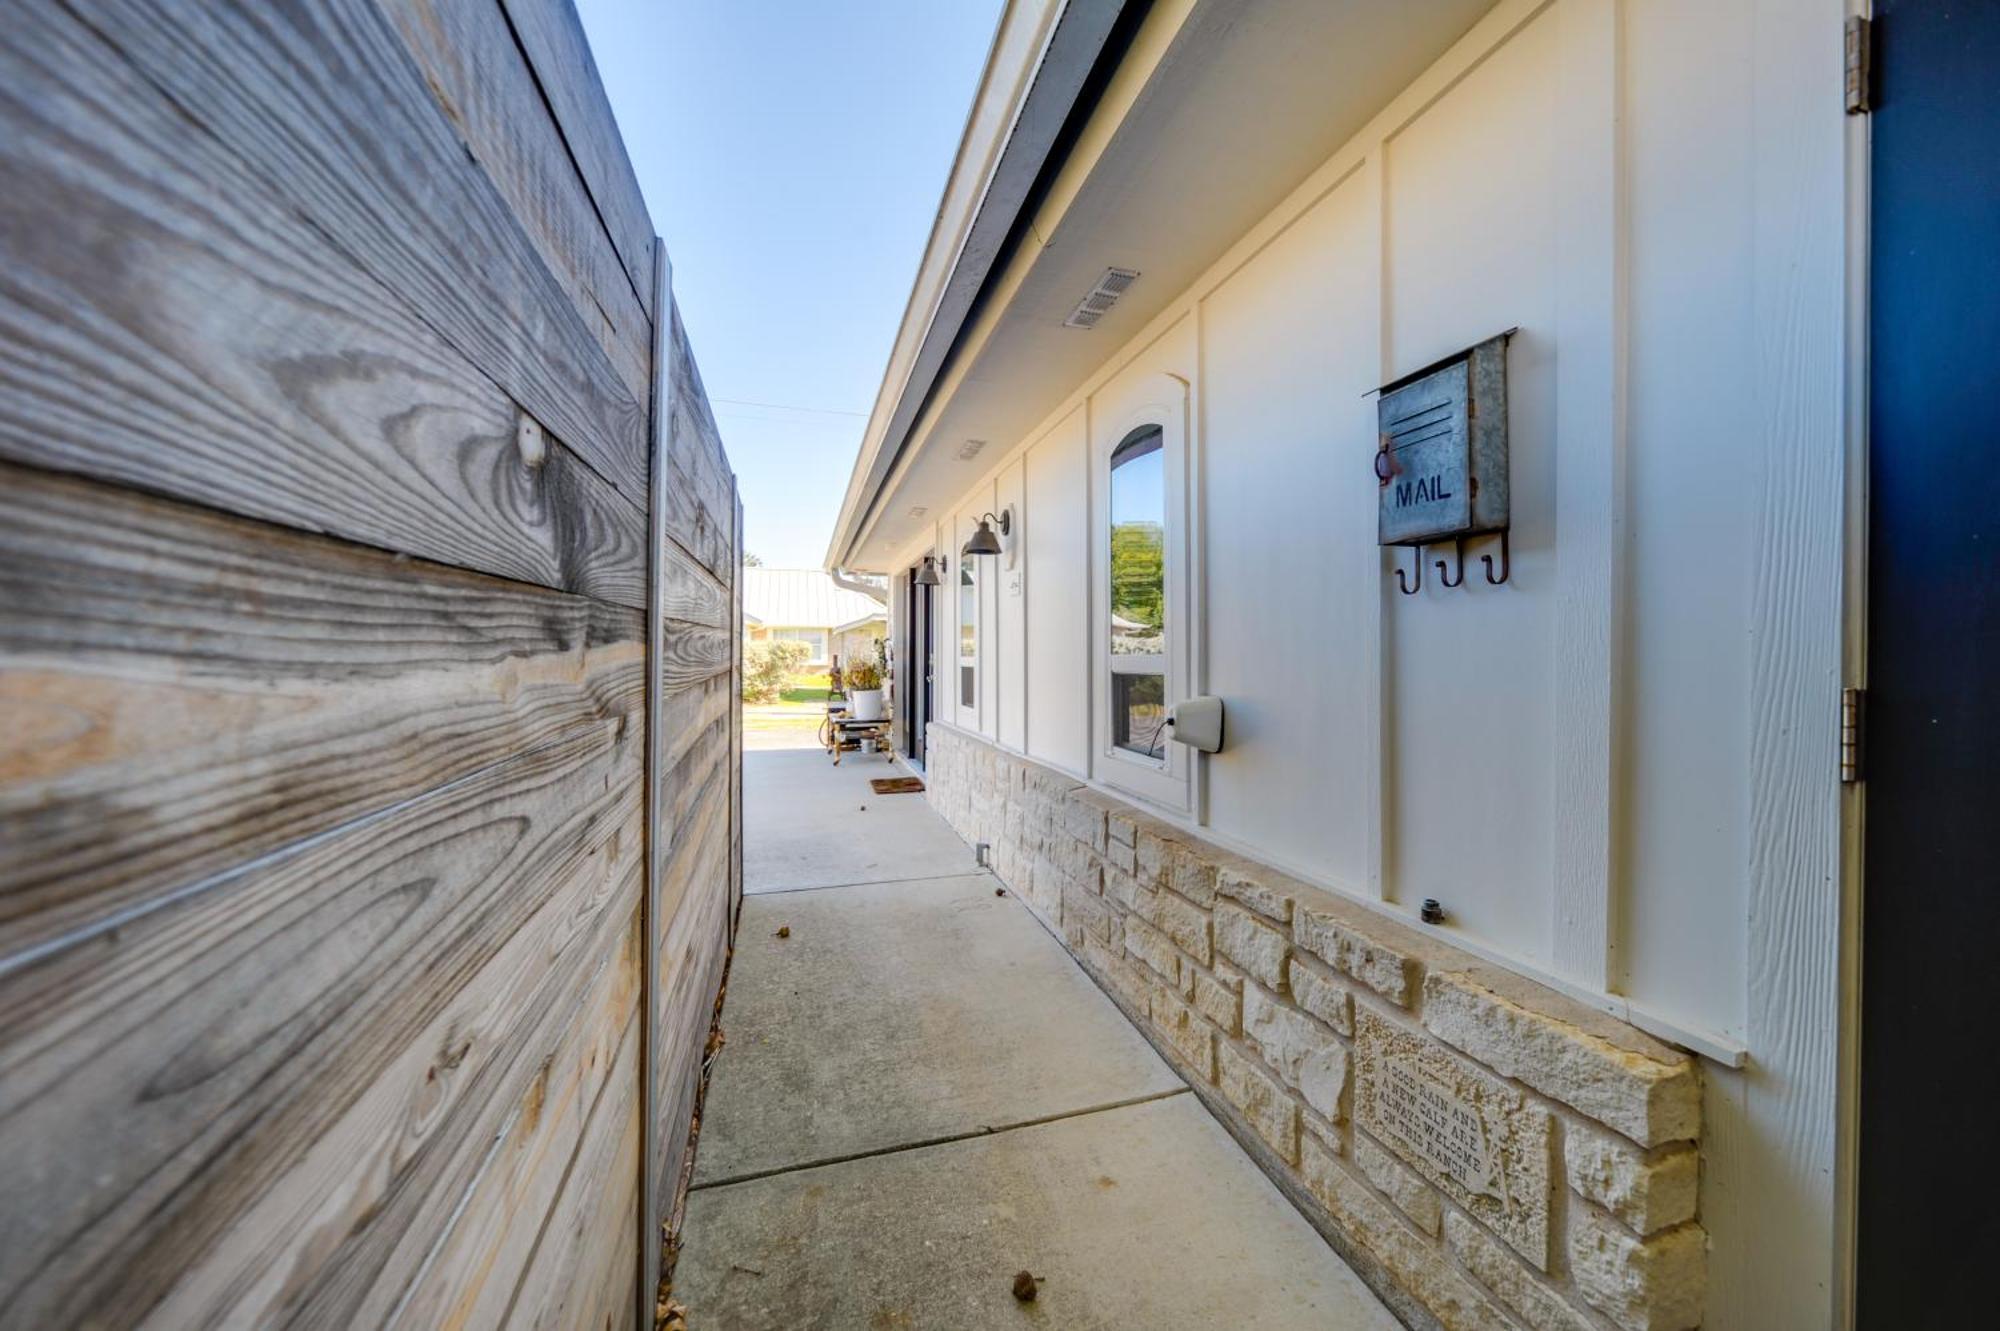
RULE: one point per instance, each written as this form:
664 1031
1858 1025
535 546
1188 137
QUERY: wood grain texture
325 106
1772 1228
406 1210
172 1072
552 37
166 324
700 494
480 77
475 1273
182 692
580 1274
325 585
1592 601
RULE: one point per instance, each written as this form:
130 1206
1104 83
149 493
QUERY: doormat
896 785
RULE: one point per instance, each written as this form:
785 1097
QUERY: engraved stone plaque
1475 1136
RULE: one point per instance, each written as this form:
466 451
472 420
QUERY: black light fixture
927 576
983 541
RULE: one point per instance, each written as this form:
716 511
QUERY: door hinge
1853 734
1860 65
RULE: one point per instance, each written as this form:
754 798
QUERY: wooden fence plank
700 496
166 324
326 106
555 45
482 80
581 1271
181 692
382 1221
172 1072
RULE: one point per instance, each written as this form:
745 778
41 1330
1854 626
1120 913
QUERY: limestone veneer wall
1555 1185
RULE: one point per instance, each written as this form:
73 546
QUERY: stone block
1254 945
1611 1073
1514 1284
1320 994
1652 1284
1343 938
1118 974
1126 890
1263 1101
1180 920
1154 948
1289 1040
1412 1196
1477 1138
1219 1003
1079 864
1119 855
1083 818
1120 827
1417 1263
1256 889
1151 849
1647 1190
1085 914
1190 1036
1192 875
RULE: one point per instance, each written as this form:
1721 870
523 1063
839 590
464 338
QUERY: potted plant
864 691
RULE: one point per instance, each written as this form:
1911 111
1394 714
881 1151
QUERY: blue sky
792 153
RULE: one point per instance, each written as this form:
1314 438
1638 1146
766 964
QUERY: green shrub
769 666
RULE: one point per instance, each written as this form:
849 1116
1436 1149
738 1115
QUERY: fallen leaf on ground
1024 1286
999 891
784 931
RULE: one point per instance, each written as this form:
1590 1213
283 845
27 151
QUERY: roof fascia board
1042 56
1149 49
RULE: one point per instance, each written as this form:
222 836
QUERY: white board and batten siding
1616 771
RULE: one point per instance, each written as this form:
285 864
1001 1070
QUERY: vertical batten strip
1375 652
662 416
1590 487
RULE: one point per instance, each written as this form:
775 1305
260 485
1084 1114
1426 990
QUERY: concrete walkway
922 1095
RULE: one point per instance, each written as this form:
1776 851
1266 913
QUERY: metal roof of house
804 598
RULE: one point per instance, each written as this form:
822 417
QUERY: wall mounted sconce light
927 576
983 541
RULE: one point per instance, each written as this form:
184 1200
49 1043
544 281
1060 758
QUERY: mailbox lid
1425 470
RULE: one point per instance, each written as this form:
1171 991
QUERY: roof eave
1042 57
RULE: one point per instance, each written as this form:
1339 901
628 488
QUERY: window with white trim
968 635
813 638
1137 572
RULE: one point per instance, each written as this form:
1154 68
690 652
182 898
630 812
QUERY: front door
1930 1080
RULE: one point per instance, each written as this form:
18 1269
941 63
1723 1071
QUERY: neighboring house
806 605
1591 763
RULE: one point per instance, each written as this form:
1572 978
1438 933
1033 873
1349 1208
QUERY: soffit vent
1098 303
970 449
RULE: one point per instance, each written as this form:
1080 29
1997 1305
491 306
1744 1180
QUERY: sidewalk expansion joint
947 1139
863 882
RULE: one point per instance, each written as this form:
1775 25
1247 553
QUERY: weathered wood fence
369 626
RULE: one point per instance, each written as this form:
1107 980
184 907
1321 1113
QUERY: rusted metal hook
1505 567
1405 585
1458 558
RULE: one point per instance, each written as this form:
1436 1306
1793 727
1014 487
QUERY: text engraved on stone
1439 1126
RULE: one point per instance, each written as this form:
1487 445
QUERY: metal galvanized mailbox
1442 461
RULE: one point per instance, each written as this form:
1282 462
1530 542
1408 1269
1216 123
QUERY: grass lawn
808 689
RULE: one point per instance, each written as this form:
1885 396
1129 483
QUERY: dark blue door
1930 1062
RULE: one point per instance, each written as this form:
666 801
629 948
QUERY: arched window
1138 593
